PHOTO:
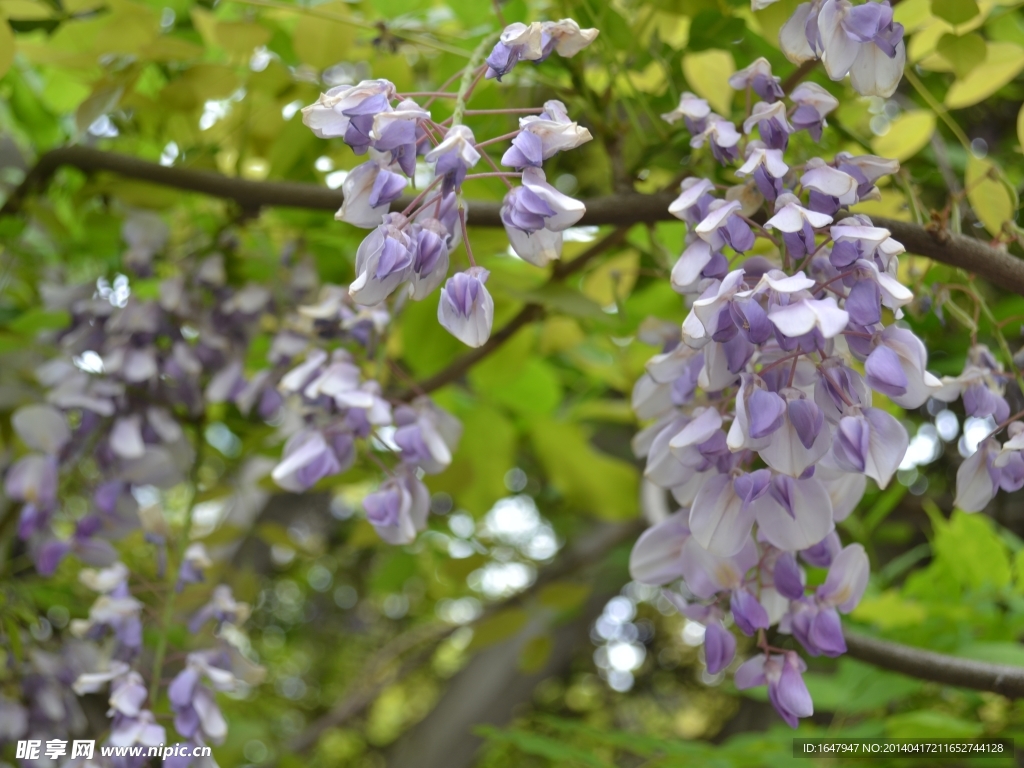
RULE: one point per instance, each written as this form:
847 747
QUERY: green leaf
561 752
969 546
856 687
562 299
6 47
963 53
36 320
564 595
907 135
708 74
889 610
476 477
589 479
1008 653
955 11
1020 127
712 29
988 194
928 724
1003 63
500 626
536 390
320 41
535 654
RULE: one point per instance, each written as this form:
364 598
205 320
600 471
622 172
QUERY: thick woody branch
999 267
937 667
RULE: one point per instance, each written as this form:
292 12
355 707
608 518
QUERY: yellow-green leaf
322 42
1020 127
708 74
889 610
962 52
908 135
592 481
613 280
1003 62
955 11
564 595
988 196
498 627
6 48
240 38
25 10
535 653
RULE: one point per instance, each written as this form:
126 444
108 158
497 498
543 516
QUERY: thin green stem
469 76
998 331
173 567
937 107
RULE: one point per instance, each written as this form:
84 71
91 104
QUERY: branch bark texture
937 667
997 266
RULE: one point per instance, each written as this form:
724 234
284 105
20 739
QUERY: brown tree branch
937 667
973 255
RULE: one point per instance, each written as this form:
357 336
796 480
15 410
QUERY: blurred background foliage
516 603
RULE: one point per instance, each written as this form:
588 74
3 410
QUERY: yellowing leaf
535 653
908 135
650 80
987 195
322 42
889 610
498 627
240 38
6 48
592 481
25 10
962 52
893 205
708 74
673 30
1020 127
1003 63
613 280
564 595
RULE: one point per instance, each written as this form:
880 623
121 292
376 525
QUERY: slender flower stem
496 139
465 234
422 194
494 165
1004 425
429 201
493 175
509 111
780 361
443 88
173 568
983 307
474 70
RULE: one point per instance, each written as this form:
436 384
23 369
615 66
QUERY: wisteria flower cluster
412 248
860 40
765 426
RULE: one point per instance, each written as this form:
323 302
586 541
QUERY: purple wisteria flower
466 309
760 411
862 41
454 156
535 42
399 510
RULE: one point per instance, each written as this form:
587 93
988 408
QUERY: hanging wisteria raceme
763 407
413 248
